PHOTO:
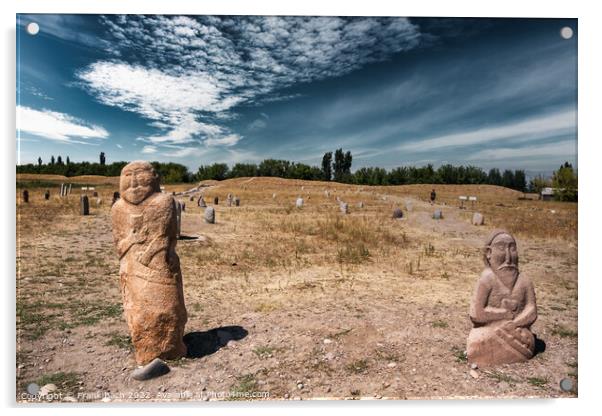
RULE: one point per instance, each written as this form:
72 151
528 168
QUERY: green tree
102 158
327 166
565 183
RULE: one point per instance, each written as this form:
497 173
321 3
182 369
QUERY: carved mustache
506 266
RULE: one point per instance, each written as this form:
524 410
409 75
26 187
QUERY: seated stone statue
503 307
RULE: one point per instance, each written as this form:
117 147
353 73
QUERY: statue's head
138 181
501 254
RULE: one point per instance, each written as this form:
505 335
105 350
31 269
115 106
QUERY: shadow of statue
200 344
188 237
540 346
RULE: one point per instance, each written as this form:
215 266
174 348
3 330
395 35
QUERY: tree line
169 172
335 166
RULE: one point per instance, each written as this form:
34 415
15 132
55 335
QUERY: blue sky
394 91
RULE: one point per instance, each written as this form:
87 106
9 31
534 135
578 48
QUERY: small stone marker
229 200
477 219
462 199
98 202
236 201
360 205
201 202
215 201
409 205
47 195
183 204
155 368
209 215
84 205
116 196
69 190
327 194
344 207
299 203
95 194
26 196
192 198
438 215
397 213
273 196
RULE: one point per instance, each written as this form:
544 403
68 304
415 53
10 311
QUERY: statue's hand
509 326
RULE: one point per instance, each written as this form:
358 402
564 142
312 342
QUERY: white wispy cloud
57 126
188 73
530 129
565 148
148 149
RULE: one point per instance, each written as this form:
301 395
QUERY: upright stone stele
47 195
84 205
215 201
116 196
26 196
209 215
144 230
503 307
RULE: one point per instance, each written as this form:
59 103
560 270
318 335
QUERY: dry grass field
300 303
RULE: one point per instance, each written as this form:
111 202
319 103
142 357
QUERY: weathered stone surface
299 203
84 205
209 215
25 195
503 307
438 214
144 230
397 213
478 219
344 207
178 218
155 368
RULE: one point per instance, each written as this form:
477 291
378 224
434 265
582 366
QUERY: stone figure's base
490 346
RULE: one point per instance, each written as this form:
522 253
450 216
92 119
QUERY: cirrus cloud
57 126
186 74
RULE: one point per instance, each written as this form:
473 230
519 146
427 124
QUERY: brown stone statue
503 307
144 230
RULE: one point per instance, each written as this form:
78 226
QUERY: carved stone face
138 181
502 255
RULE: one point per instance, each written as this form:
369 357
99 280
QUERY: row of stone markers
502 309
65 189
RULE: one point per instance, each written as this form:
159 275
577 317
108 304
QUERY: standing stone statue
344 207
215 201
229 200
84 205
201 202
144 231
236 201
299 203
503 307
47 195
25 195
